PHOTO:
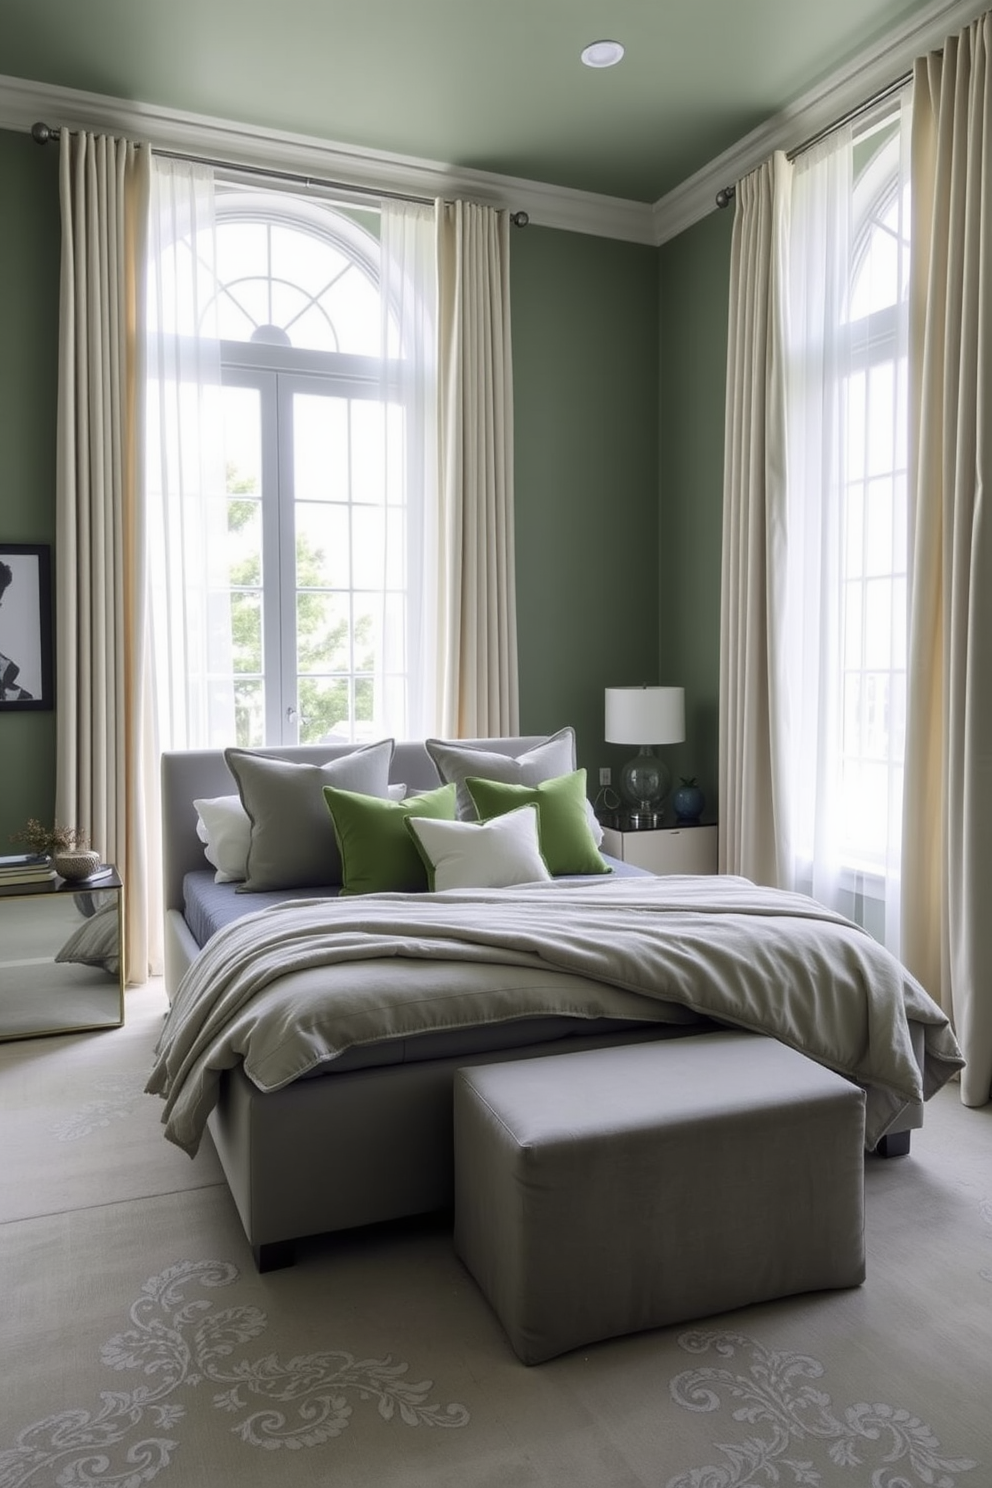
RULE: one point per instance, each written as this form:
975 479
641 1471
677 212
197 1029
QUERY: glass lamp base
643 821
644 785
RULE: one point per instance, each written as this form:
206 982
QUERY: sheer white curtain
408 685
840 634
186 497
189 699
814 560
477 651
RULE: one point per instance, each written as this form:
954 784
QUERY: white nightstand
665 849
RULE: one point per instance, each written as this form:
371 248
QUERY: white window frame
278 371
877 188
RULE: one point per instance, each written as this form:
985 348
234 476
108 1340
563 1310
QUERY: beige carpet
139 1344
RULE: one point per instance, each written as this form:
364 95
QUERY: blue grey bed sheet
208 905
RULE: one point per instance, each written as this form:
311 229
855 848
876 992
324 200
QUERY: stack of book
26 868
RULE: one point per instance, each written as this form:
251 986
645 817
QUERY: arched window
314 444
291 464
296 274
841 538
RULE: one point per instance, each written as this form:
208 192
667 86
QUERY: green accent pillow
456 760
567 844
378 854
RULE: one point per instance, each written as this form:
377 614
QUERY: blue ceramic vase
688 801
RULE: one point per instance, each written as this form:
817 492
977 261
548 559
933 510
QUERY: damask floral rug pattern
141 1346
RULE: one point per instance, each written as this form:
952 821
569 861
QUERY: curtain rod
43 134
726 194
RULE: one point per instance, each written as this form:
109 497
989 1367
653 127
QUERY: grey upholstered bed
366 1136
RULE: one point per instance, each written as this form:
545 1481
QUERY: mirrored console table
61 957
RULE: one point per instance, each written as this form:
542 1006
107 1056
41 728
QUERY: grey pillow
456 761
292 844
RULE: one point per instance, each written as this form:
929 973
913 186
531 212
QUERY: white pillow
481 855
225 830
595 825
224 827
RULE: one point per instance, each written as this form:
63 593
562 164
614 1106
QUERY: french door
316 553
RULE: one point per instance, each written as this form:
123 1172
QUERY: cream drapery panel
99 547
947 825
477 641
753 507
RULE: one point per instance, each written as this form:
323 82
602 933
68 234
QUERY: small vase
688 801
73 866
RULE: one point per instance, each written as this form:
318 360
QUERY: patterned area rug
140 1345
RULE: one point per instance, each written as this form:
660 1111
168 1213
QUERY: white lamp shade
645 715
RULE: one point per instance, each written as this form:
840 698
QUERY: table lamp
645 716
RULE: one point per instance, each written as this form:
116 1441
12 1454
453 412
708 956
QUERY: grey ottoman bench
608 1191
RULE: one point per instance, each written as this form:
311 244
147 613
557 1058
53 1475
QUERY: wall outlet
605 775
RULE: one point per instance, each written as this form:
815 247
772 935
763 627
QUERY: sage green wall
29 296
585 374
585 341
694 271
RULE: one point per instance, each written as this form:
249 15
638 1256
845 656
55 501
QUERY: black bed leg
894 1144
274 1256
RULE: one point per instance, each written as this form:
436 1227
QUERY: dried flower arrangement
50 840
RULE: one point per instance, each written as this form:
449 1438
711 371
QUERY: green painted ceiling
492 85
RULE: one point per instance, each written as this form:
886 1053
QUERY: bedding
292 842
224 827
481 855
277 991
377 851
207 906
372 1109
567 844
456 760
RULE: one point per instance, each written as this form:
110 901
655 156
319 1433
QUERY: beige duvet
288 989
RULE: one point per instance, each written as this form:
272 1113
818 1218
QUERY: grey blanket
290 988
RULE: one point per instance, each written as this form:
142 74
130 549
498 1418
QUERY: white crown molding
874 70
23 103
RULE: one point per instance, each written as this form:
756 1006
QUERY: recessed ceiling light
602 54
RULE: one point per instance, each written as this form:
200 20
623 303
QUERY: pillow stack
496 820
378 854
290 839
567 845
490 784
481 855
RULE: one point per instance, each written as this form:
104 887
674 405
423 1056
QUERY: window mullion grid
285 600
277 369
269 266
352 698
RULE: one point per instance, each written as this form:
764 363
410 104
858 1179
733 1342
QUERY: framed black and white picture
25 626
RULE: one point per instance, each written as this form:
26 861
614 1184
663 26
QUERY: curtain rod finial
725 196
41 134
519 219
